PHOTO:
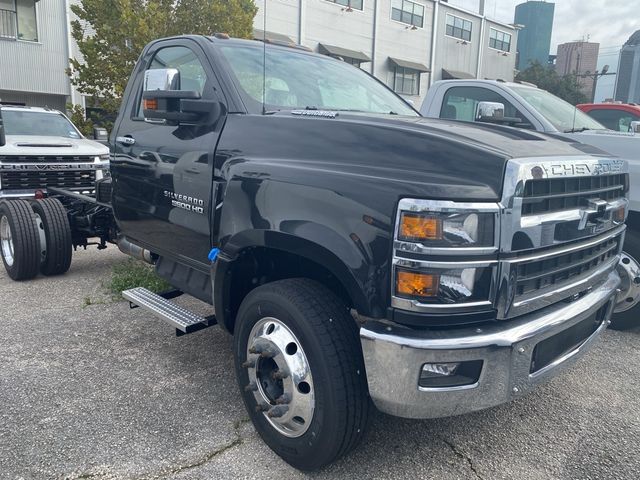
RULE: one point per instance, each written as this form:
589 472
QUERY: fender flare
288 243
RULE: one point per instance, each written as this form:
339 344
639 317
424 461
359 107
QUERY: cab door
163 173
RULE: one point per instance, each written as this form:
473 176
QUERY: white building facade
34 52
407 44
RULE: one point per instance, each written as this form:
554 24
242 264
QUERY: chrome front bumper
394 357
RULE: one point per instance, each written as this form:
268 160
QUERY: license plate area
561 345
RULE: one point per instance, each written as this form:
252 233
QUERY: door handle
126 140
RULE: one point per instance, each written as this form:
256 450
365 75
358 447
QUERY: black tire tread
26 241
343 354
58 234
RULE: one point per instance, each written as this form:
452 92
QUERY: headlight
448 229
444 255
443 285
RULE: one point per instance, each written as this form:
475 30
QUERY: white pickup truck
44 149
525 106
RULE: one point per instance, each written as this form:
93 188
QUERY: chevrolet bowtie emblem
596 208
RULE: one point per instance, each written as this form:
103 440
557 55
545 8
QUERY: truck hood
385 154
39 146
504 141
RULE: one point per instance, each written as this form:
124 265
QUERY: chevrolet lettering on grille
572 169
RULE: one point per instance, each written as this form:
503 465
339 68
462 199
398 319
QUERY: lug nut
252 387
283 399
279 374
250 363
277 412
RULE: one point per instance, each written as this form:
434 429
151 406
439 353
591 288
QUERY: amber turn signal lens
150 103
420 227
416 284
618 215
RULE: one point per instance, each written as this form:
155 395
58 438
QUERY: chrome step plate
182 319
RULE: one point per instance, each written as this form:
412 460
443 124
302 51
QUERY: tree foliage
112 33
79 119
566 87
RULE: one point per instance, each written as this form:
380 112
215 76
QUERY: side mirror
634 127
100 134
489 112
164 101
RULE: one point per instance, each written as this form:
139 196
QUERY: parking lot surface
90 389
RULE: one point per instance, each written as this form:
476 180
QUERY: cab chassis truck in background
359 254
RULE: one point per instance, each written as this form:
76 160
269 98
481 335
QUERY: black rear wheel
19 240
52 218
301 373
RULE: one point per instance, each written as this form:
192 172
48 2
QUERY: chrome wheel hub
6 241
629 295
280 377
43 238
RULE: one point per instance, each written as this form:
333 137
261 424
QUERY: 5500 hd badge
185 202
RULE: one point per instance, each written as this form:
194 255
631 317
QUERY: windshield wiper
577 130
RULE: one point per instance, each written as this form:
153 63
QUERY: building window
355 4
499 40
18 20
459 28
406 81
407 12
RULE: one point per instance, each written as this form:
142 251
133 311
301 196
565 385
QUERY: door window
617 120
460 103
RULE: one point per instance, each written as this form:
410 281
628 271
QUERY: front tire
19 240
301 372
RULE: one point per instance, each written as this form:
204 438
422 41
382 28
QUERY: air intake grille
558 194
27 180
540 274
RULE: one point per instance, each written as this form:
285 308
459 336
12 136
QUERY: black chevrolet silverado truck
358 253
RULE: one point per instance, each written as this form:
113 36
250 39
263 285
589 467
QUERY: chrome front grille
558 194
41 179
556 270
562 230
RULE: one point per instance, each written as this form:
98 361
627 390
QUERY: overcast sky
609 23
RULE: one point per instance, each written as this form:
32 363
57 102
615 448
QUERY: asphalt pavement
90 389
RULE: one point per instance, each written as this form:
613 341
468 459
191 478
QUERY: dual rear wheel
34 237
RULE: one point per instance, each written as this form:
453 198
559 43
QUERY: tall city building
534 40
628 80
580 59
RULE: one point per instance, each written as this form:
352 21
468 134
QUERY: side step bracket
182 319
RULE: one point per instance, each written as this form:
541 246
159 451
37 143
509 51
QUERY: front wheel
301 373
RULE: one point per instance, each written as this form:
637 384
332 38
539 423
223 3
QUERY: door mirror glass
164 79
100 134
634 127
489 111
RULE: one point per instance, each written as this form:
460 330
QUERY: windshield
562 115
38 123
296 80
